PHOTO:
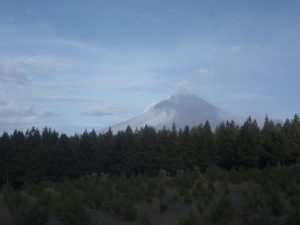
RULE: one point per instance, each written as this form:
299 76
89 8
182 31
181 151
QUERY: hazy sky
78 64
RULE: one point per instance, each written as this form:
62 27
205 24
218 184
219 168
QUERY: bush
30 215
116 205
162 206
128 211
134 193
234 176
12 198
199 185
275 203
207 193
145 218
211 186
292 190
70 210
195 192
45 199
251 202
222 212
22 211
293 217
188 198
200 207
189 219
262 217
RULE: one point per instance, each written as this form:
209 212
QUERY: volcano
181 109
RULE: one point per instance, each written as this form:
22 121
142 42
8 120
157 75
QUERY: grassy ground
252 197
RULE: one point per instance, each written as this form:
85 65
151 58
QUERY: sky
75 65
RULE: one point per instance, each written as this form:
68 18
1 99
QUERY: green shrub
45 199
122 185
195 192
145 218
175 198
162 206
234 176
22 211
292 190
275 203
255 175
70 210
222 212
199 185
188 198
161 191
128 211
12 198
30 215
200 207
135 193
34 189
116 205
207 193
189 219
295 201
207 202
262 217
211 186
293 217
182 191
251 202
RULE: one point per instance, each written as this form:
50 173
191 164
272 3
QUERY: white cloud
40 61
203 72
12 74
108 111
17 114
182 88
16 69
237 49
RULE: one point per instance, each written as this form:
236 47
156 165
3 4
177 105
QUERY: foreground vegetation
233 175
250 197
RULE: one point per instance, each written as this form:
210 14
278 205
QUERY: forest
36 155
244 175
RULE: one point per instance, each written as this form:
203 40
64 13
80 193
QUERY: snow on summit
181 108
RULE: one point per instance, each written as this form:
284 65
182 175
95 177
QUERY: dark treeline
34 156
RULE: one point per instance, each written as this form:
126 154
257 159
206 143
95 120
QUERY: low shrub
162 206
262 217
30 215
222 212
128 211
188 198
70 210
189 219
145 218
200 206
293 217
22 211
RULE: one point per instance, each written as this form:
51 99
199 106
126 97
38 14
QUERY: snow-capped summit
182 108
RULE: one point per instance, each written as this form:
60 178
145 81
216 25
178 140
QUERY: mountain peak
182 108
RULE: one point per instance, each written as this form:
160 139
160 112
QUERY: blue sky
73 65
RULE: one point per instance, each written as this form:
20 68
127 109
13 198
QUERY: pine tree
226 141
272 143
249 144
5 159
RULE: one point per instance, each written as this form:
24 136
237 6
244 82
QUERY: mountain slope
181 109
